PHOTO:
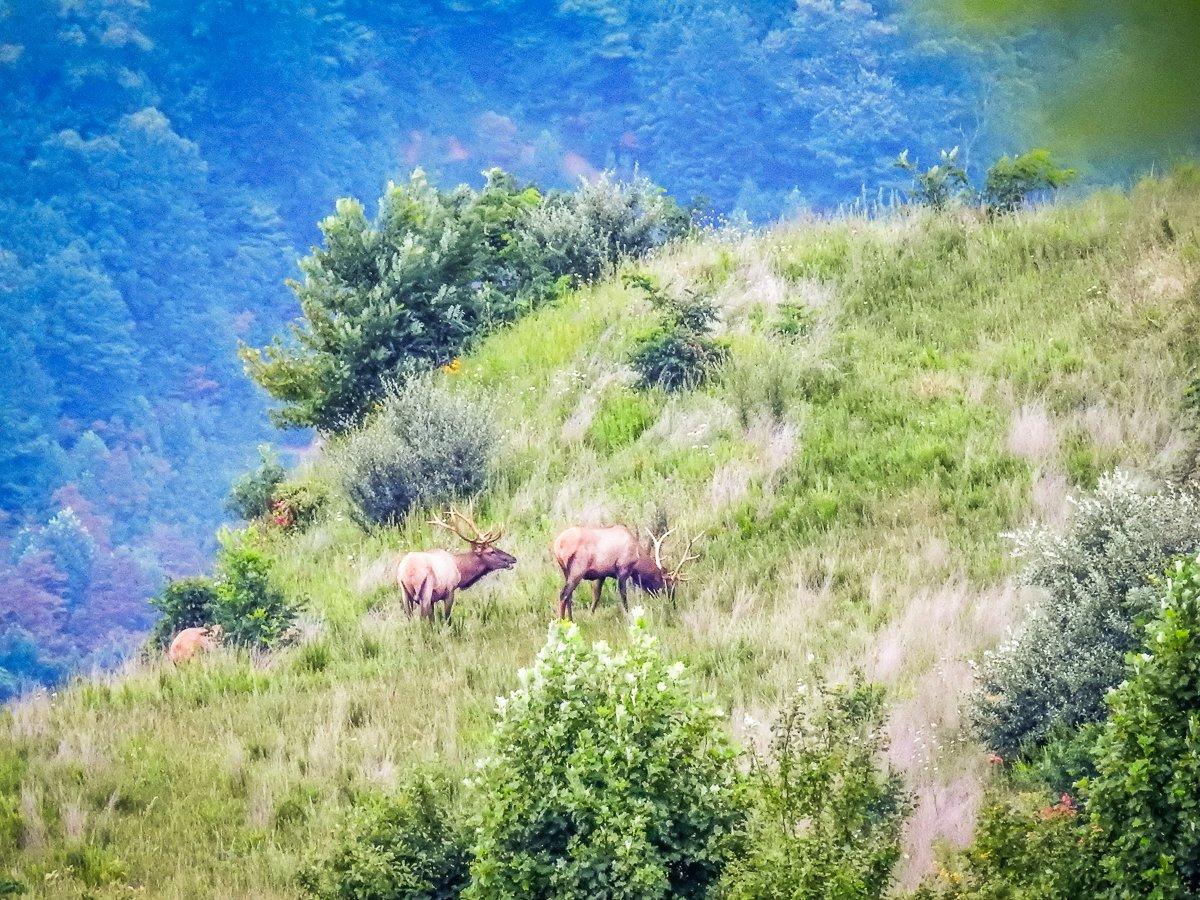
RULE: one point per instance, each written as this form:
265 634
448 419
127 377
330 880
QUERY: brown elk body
597 554
191 641
433 576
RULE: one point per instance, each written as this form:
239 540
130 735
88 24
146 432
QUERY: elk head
482 542
672 577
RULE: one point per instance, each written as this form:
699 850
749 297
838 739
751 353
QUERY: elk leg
565 605
408 602
596 591
621 585
449 604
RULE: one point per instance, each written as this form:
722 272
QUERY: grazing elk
429 576
191 641
596 554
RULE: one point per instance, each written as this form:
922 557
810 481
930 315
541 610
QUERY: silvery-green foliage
1095 581
607 777
423 446
582 233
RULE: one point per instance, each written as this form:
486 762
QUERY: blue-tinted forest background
163 164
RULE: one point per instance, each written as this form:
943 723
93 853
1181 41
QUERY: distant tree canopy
1132 79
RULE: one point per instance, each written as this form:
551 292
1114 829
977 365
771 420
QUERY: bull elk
597 554
427 577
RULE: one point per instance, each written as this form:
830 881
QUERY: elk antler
688 556
458 525
658 542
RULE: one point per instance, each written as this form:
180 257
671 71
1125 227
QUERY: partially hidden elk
192 641
428 577
597 554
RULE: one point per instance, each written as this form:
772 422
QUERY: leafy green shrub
620 420
411 844
584 233
1011 180
826 819
939 184
1144 801
424 447
183 603
248 604
1095 581
679 354
1023 848
297 504
251 495
606 779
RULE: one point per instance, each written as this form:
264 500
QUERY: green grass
854 480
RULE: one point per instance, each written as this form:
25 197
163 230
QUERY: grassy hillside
952 378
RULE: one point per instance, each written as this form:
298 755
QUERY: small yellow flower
453 367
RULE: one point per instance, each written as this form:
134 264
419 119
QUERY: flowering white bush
606 778
1096 581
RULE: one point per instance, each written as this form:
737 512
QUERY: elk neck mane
471 568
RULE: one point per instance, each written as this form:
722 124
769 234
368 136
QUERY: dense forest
164 164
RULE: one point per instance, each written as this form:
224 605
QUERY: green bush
826 818
1144 801
581 235
1011 180
297 504
679 354
183 603
411 844
606 778
248 604
1095 584
424 447
251 495
1023 848
939 184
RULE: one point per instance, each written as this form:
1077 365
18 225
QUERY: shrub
410 845
424 447
1144 801
1095 582
939 184
183 603
248 604
582 234
251 495
1011 180
794 319
1023 848
826 818
606 778
297 504
679 354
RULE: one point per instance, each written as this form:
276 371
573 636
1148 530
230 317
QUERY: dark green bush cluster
242 598
1009 182
425 446
679 354
252 494
607 777
1131 829
383 300
295 505
412 844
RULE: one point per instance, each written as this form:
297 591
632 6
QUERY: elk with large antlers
427 577
597 554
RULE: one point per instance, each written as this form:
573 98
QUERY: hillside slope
951 378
